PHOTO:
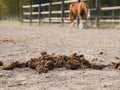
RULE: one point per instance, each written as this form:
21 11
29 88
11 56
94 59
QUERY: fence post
0 13
97 13
113 15
21 15
50 4
78 20
39 11
30 12
62 14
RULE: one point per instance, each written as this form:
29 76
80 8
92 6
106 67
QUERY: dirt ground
20 43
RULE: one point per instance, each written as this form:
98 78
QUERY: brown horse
79 9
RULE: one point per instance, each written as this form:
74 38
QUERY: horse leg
88 14
73 25
81 25
71 16
72 22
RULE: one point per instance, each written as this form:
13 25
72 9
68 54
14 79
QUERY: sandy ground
20 43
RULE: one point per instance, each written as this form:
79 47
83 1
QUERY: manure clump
46 62
116 65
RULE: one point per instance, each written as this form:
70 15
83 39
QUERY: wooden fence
62 12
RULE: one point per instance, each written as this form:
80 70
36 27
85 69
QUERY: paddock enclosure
45 12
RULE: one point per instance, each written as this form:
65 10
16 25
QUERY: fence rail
62 12
110 8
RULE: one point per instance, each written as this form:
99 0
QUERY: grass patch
104 26
5 22
87 26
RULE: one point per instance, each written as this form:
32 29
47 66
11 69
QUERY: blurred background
10 9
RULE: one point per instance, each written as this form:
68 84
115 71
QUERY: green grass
10 23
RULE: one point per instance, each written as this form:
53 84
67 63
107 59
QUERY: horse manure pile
47 62
116 65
